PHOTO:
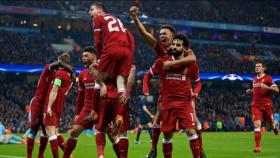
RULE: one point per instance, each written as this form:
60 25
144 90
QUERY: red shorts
107 113
169 117
81 119
263 112
51 120
36 112
116 60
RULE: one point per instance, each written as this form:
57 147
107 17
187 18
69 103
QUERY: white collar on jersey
258 77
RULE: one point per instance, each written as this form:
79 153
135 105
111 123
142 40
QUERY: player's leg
105 111
35 119
149 126
43 143
168 118
51 132
140 127
123 142
194 142
257 117
31 140
60 140
167 146
187 121
72 140
270 119
198 128
155 133
100 143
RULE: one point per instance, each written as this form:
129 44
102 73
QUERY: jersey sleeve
97 33
157 67
270 82
146 80
81 95
194 74
60 77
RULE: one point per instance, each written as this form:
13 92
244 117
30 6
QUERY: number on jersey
114 24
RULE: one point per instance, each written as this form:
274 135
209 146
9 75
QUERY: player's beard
87 64
176 53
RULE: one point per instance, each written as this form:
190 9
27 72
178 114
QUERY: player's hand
124 97
103 90
134 10
248 91
194 95
152 117
93 66
76 117
49 111
119 121
167 65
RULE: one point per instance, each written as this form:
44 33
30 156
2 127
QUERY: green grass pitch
217 145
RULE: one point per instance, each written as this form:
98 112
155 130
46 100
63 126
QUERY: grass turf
217 145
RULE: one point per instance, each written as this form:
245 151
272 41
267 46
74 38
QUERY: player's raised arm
141 28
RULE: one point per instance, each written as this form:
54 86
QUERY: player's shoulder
268 76
62 72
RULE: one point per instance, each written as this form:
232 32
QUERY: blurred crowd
264 13
224 101
19 48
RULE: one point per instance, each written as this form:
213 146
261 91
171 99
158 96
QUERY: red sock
69 147
100 143
123 147
258 136
199 134
167 150
61 142
42 147
30 146
115 147
155 137
195 146
54 148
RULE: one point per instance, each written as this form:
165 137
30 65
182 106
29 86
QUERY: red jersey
108 30
43 83
86 84
66 84
262 97
176 83
112 90
160 49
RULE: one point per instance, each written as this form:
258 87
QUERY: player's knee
75 133
190 132
167 136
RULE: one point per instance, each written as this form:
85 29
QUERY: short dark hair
261 62
100 5
169 27
184 38
90 49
